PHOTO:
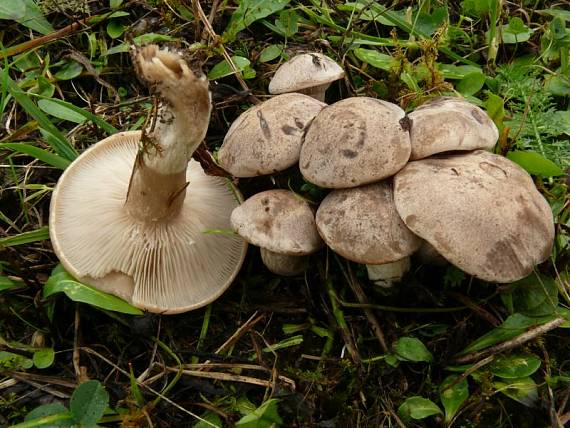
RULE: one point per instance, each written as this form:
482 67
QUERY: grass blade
36 152
40 234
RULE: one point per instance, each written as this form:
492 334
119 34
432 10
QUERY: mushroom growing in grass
445 124
267 138
480 211
355 141
131 215
282 225
308 73
361 224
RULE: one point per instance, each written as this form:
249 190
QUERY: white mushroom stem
316 92
178 125
283 264
387 274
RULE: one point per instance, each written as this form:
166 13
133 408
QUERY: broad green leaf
69 70
418 408
51 409
514 366
88 402
40 234
53 135
558 85
113 4
511 327
61 112
78 292
265 416
115 29
213 419
523 390
412 349
43 87
375 59
476 8
7 283
97 120
43 358
515 31
11 361
270 53
534 296
223 68
250 11
287 24
457 72
428 23
141 40
535 163
452 397
557 13
495 107
471 83
27 13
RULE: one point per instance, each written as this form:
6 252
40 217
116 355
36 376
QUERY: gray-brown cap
169 266
362 225
279 221
446 123
308 73
480 211
267 138
355 141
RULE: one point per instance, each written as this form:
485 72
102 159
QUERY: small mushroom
480 211
446 123
353 142
309 73
267 138
283 225
361 224
129 215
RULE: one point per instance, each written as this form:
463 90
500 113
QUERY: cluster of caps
400 182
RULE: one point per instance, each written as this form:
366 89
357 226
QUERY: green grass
300 351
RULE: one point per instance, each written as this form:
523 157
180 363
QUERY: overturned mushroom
129 215
282 225
355 141
309 73
445 124
362 225
480 211
267 138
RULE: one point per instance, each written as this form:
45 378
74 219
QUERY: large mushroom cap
167 266
305 71
267 138
480 211
279 221
445 123
355 141
362 225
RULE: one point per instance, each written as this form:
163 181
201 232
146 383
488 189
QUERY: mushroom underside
167 266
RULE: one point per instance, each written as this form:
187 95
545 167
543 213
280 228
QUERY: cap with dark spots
309 73
355 141
267 138
362 225
446 124
479 210
279 221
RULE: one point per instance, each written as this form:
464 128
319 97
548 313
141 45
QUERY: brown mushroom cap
355 141
168 266
267 138
305 71
480 211
445 123
279 221
362 225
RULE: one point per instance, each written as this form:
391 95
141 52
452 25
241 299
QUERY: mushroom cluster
398 183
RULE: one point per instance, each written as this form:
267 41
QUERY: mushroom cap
267 138
446 123
355 141
167 266
305 71
279 221
480 211
362 225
